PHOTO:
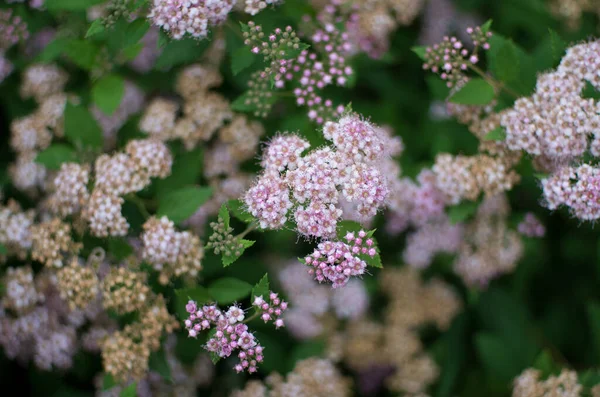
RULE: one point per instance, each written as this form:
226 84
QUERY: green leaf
53 50
70 5
462 211
96 27
593 315
261 288
498 362
589 91
476 91
82 53
3 250
178 52
456 356
227 290
107 93
129 391
135 31
180 204
81 128
198 294
159 364
119 248
224 215
589 378
438 88
506 67
345 227
186 171
229 259
241 59
108 382
546 364
420 51
557 44
486 26
497 134
55 155
236 207
132 51
304 350
293 53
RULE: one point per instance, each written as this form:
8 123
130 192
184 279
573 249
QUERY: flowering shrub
300 198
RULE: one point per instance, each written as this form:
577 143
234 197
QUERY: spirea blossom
271 309
336 261
230 333
314 184
193 17
12 29
531 226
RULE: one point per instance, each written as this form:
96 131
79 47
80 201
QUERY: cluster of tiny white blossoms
192 17
231 332
171 252
115 175
314 184
556 121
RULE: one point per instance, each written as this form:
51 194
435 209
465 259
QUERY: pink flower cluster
12 30
450 59
556 121
273 309
577 188
193 17
320 180
230 334
337 261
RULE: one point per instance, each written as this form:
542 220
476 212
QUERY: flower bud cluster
230 333
222 241
309 72
337 261
124 290
170 252
189 17
450 59
272 309
319 180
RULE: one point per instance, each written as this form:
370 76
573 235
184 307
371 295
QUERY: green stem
494 83
234 28
139 203
252 317
253 225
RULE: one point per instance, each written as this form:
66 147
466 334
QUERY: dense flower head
70 189
349 173
50 241
574 187
556 121
530 384
430 239
531 226
271 308
189 17
171 252
21 294
336 261
41 81
15 228
450 59
253 7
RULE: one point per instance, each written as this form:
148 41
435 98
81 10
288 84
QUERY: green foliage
70 5
129 391
228 289
241 59
108 92
476 91
81 128
82 53
261 288
497 134
179 52
462 212
158 363
55 155
180 204
506 67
